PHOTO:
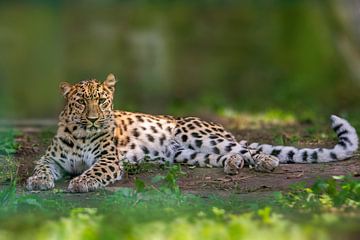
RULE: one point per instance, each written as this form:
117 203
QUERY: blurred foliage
8 169
8 144
153 214
177 56
336 194
8 147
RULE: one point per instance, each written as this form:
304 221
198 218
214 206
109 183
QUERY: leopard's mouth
93 128
96 127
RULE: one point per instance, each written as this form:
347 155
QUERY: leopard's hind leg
256 159
213 140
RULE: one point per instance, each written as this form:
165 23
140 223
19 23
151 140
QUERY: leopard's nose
92 119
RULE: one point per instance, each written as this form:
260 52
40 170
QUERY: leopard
94 142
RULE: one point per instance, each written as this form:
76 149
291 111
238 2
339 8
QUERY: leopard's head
89 103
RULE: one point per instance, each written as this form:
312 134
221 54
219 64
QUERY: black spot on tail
345 139
342 144
304 156
314 156
275 152
333 156
290 157
337 127
342 133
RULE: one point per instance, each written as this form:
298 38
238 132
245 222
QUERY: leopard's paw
39 182
233 164
265 163
83 184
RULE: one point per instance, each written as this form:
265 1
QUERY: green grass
330 209
8 147
160 211
338 193
8 144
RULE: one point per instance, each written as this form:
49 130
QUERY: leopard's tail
345 148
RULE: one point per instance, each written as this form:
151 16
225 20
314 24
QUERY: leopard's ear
110 82
65 88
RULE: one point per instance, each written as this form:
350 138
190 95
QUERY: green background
181 56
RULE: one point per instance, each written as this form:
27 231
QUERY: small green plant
279 140
166 183
8 169
139 185
8 144
10 202
170 179
8 147
339 192
7 197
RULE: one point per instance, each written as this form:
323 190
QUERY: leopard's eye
81 101
102 100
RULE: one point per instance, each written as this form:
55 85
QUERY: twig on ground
296 176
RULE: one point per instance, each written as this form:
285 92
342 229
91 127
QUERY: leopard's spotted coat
93 141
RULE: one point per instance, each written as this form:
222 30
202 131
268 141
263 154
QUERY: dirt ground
203 181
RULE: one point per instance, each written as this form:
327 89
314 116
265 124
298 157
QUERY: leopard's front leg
106 170
45 173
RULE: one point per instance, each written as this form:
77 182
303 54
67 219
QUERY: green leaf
139 185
